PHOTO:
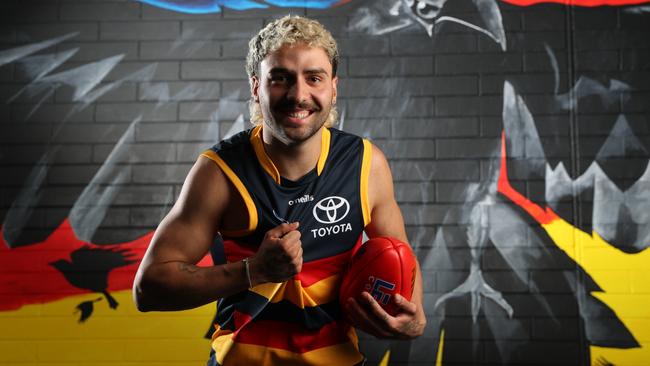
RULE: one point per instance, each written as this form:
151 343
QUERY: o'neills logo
331 210
304 199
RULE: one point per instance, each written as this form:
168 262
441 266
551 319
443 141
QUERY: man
291 199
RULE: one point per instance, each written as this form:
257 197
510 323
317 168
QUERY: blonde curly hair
288 30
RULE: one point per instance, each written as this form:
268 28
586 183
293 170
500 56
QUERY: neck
293 161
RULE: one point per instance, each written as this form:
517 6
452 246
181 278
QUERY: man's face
296 91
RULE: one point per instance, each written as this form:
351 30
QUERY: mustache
289 105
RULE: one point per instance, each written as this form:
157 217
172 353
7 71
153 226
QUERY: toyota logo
331 210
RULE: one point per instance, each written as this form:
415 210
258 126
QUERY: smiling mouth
298 114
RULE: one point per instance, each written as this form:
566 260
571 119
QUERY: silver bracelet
248 272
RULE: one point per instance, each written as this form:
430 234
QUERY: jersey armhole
365 175
243 192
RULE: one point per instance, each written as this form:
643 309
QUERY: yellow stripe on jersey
326 137
265 161
230 353
365 175
245 195
316 294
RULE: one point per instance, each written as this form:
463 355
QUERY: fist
279 257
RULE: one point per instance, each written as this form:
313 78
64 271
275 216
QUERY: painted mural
557 274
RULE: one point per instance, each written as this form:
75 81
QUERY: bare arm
386 220
168 278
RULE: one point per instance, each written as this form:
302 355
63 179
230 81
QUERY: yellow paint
49 334
621 277
440 348
384 360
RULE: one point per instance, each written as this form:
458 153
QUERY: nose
299 90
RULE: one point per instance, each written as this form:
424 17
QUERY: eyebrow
282 70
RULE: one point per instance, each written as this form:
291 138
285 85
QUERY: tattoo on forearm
186 267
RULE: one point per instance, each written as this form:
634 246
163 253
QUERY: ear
335 82
255 88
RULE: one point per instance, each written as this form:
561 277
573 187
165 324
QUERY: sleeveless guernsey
297 322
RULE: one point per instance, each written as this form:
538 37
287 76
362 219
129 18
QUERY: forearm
177 285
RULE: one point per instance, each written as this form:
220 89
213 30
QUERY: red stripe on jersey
292 336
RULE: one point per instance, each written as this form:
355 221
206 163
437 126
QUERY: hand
367 315
279 257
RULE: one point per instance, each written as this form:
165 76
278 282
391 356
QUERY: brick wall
174 83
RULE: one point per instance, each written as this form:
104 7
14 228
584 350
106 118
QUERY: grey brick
71 174
150 12
53 113
163 71
367 128
144 195
60 196
91 51
465 148
539 61
121 93
33 13
523 84
128 112
551 20
161 30
398 66
555 329
597 61
208 111
506 281
390 107
595 18
422 44
177 132
407 149
100 11
179 91
40 32
423 214
26 134
213 70
6 73
528 41
481 63
222 29
74 154
161 173
151 152
435 170
179 50
469 106
116 218
189 152
90 133
452 192
147 216
414 192
234 48
364 46
436 127
237 89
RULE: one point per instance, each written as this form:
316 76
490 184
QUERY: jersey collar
267 163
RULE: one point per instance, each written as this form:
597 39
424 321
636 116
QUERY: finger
291 237
359 317
405 306
282 229
377 311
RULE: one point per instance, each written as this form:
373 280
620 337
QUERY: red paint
504 187
590 3
27 277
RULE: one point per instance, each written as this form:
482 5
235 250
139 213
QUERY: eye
315 79
278 79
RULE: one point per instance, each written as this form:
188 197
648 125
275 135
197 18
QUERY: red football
383 267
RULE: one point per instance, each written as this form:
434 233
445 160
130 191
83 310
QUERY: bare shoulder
381 183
